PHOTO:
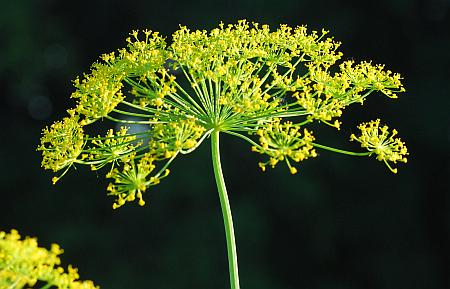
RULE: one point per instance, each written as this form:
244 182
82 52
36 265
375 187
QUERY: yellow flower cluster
243 79
23 263
170 138
151 92
282 142
378 140
240 72
99 92
143 58
365 76
133 180
62 143
110 148
203 51
100 95
324 96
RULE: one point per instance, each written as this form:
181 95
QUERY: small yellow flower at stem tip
158 101
378 140
262 166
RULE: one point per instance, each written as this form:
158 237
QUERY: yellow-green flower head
110 148
134 179
366 76
378 140
62 143
23 263
284 142
144 57
245 79
99 92
248 65
179 136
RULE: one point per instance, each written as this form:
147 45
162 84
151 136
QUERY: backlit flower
378 140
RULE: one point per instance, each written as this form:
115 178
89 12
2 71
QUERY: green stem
226 211
341 151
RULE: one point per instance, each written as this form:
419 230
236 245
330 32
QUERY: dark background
341 222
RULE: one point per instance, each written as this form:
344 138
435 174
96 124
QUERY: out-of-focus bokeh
341 222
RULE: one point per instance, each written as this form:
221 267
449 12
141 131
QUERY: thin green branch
243 137
131 121
205 135
341 151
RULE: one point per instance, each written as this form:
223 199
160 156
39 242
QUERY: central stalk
226 211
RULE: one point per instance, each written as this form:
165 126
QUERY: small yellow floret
378 140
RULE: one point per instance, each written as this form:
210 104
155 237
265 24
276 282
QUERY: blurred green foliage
341 222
